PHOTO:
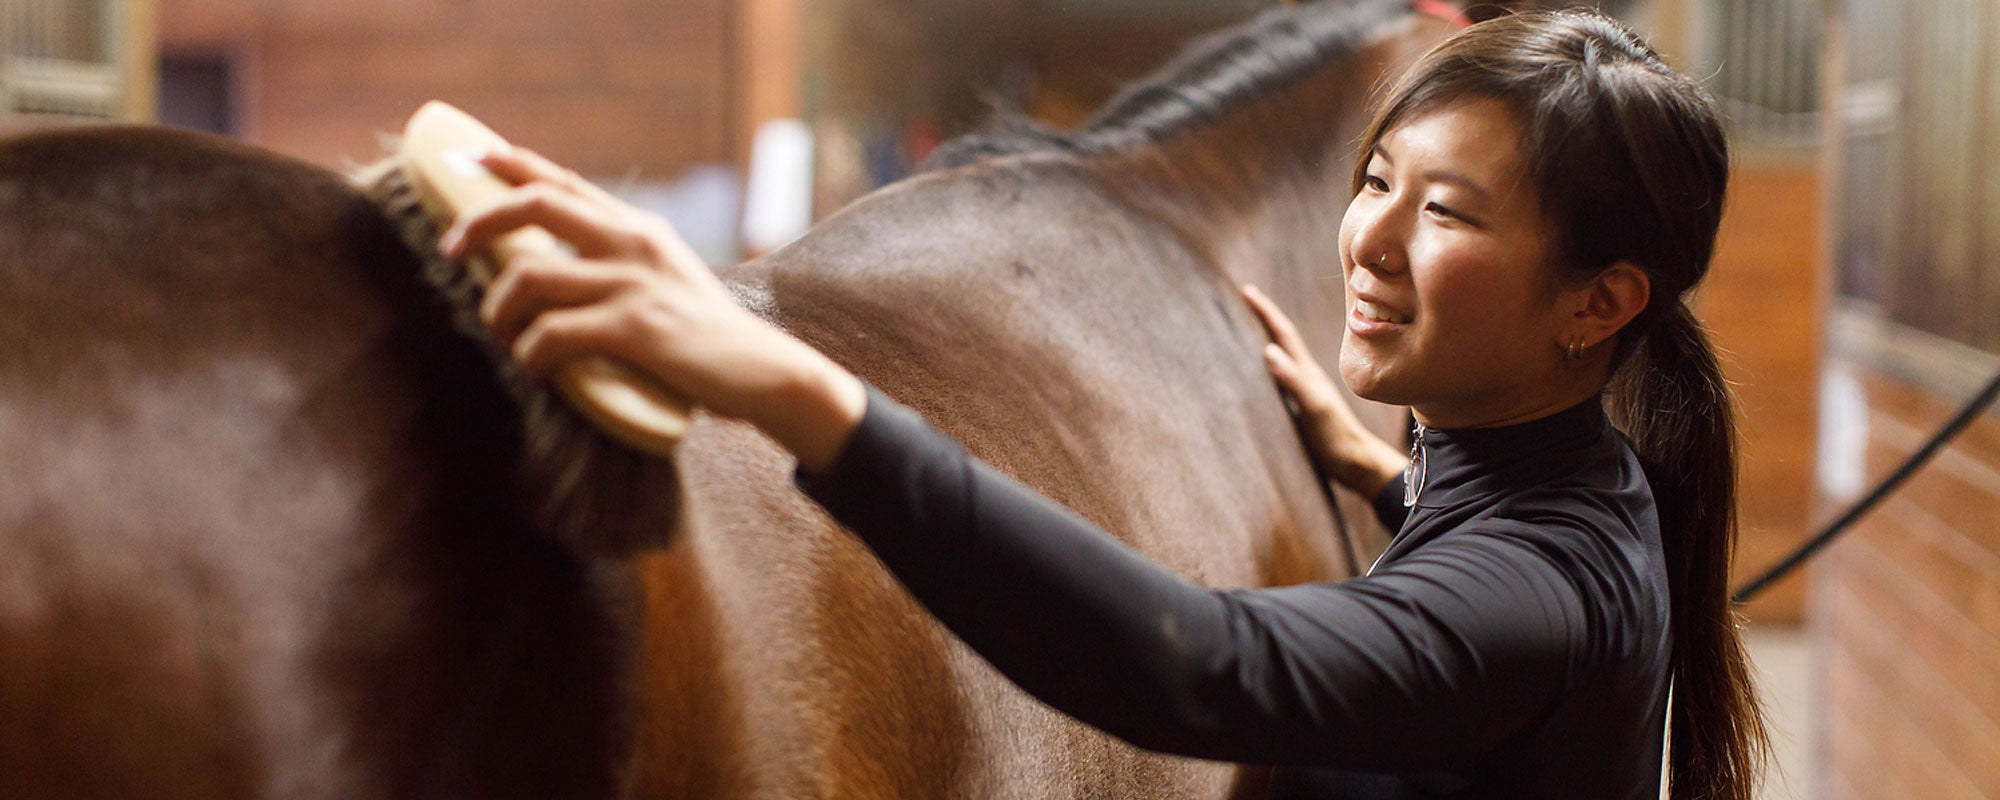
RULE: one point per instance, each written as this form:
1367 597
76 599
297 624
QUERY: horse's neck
1254 221
1260 194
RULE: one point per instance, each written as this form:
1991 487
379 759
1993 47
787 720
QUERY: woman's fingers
1282 367
564 335
1302 371
590 229
1305 381
519 165
530 286
1280 326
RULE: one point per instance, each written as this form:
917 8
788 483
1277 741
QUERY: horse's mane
1212 77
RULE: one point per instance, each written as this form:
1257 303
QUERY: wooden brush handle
438 152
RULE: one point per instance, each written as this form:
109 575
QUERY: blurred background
1854 292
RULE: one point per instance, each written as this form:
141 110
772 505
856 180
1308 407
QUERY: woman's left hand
1357 458
637 294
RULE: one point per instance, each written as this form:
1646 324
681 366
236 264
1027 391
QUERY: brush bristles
584 488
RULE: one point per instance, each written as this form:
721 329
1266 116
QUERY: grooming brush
440 160
594 438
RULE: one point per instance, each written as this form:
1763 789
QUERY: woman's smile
1371 317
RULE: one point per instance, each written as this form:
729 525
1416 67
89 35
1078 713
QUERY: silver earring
1575 349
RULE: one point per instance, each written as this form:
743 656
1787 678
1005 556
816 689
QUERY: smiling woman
1615 167
1532 201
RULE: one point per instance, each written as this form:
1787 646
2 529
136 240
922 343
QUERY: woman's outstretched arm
1424 664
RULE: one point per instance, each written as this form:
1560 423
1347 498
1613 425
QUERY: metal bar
111 51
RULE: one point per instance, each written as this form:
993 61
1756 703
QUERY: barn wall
610 87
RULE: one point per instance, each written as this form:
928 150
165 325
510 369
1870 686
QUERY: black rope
1324 478
1882 490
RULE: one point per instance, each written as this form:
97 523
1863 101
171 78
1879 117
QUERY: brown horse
261 533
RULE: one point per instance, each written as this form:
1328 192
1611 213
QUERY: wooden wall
610 87
1763 302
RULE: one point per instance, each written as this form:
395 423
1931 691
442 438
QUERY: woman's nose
1376 243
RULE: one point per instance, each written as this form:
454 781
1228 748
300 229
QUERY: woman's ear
1608 301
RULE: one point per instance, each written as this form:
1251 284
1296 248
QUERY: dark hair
1631 164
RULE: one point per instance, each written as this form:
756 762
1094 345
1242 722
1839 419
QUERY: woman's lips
1369 316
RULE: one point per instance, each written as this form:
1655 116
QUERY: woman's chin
1366 379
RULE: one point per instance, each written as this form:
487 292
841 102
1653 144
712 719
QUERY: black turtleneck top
1511 642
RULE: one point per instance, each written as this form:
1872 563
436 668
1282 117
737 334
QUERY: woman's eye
1375 184
1442 211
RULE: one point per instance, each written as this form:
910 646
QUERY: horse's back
249 543
1073 343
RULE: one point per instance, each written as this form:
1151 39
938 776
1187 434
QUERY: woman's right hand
635 293
1358 459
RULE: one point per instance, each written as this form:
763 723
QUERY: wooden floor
1787 679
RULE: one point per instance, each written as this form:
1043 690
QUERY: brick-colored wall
609 87
1906 615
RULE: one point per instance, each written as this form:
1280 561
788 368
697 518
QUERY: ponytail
1672 401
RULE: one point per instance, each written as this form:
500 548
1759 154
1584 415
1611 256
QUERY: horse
263 531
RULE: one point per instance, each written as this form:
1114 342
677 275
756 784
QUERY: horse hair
1212 77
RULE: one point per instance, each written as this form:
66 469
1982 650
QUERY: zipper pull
1413 475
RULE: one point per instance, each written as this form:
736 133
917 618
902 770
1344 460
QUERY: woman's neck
1538 404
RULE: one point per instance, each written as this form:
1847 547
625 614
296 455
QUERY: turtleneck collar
1469 462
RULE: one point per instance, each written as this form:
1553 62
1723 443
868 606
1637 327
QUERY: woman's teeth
1378 313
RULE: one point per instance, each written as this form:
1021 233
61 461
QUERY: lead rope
1325 480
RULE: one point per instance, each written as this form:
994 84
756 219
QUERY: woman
1532 202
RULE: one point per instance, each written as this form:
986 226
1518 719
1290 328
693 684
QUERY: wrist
822 404
1378 464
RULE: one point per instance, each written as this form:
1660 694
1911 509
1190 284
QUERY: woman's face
1451 307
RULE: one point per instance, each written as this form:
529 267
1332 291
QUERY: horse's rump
256 532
